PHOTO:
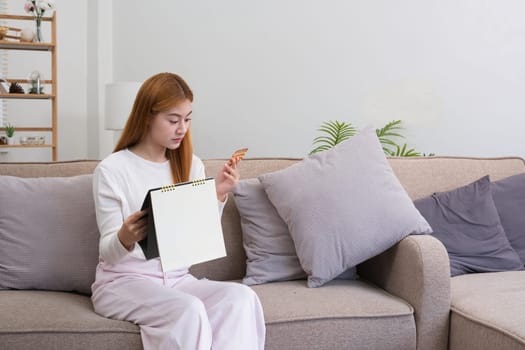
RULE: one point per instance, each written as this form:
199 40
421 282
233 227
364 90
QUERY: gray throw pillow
466 221
269 248
48 233
342 206
509 198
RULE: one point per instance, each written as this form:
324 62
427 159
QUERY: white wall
266 74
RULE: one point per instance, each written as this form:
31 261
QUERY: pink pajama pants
177 311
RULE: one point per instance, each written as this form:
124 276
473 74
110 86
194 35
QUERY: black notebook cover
149 243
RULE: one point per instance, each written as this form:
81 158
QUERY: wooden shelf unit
27 96
13 45
51 47
27 146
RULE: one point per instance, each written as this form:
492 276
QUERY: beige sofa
487 309
402 300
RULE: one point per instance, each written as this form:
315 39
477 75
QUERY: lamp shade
119 98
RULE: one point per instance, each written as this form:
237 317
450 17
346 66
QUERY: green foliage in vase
9 130
335 132
35 90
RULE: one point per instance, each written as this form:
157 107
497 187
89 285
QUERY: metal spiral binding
198 182
167 188
194 183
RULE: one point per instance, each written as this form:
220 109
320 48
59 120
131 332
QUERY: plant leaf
334 132
404 152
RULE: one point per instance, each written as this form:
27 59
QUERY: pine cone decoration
15 88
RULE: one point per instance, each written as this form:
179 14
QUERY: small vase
38 36
11 140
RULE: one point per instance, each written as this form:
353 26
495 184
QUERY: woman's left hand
227 179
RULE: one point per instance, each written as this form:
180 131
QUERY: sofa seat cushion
342 314
488 311
60 320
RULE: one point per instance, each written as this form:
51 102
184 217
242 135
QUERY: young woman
173 309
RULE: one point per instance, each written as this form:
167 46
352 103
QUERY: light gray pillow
342 206
269 248
48 233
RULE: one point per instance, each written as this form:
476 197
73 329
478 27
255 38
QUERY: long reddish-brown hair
159 93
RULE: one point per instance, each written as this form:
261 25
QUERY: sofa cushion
296 317
48 233
269 248
344 314
488 311
59 320
342 206
509 197
466 221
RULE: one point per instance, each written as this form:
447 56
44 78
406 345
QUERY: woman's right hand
133 229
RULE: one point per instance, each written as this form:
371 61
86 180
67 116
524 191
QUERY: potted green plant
334 132
9 132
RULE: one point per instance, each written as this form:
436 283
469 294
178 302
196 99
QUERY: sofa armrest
417 269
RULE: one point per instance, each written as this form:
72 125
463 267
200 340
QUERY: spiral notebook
184 225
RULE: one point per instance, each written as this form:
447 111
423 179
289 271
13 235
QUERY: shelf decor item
15 88
37 8
7 33
4 88
3 31
27 35
9 132
36 85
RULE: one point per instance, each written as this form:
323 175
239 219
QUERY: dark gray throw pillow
509 197
466 221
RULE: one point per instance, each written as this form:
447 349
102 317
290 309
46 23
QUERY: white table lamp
119 100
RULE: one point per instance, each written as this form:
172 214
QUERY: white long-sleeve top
120 183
